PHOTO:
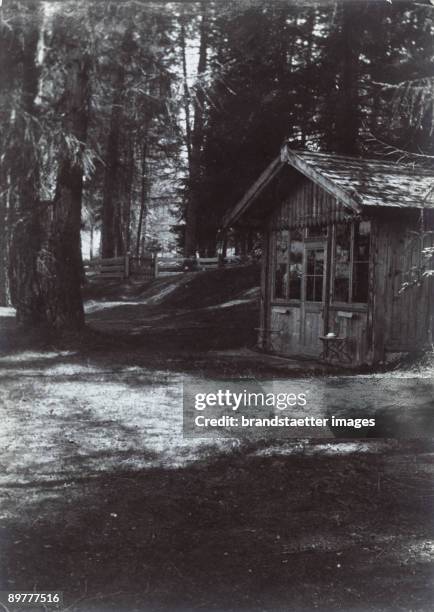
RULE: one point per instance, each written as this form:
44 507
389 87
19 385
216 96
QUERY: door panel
312 329
312 309
285 330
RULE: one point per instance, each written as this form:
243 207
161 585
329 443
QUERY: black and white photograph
216 305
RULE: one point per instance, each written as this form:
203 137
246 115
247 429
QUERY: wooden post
328 289
127 266
221 250
155 265
265 297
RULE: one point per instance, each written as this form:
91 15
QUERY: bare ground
103 498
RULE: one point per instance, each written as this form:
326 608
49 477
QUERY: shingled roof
355 181
372 182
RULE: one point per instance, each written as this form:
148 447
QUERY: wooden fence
150 266
174 264
109 268
144 267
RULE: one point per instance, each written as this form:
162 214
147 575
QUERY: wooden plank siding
326 185
308 205
401 317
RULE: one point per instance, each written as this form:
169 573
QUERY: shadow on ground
239 532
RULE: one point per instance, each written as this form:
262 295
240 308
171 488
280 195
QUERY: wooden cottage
342 256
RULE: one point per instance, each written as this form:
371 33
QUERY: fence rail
109 268
174 264
150 266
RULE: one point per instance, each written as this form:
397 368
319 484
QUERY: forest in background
110 110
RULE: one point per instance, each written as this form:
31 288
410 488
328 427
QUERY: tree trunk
141 226
26 221
197 137
129 193
18 41
64 302
111 219
108 231
187 96
91 242
349 119
4 239
308 101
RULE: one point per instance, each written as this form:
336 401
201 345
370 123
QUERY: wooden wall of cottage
392 320
402 297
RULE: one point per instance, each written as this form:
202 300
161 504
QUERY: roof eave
255 190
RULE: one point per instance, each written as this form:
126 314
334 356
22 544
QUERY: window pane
342 282
280 276
295 286
311 262
310 288
295 265
318 289
341 292
314 286
314 280
281 265
360 282
362 235
343 238
315 261
282 240
319 261
317 230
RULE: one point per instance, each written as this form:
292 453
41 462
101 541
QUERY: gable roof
356 182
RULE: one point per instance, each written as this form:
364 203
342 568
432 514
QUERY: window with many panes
360 279
295 265
288 265
281 265
351 262
342 263
350 269
314 274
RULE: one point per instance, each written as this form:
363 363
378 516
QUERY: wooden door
313 295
